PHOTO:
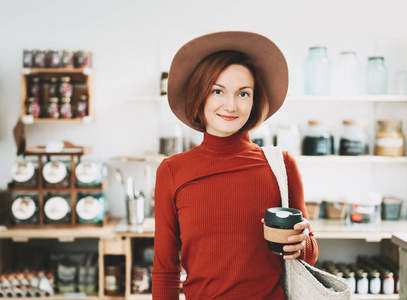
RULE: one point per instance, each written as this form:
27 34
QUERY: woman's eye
244 94
217 92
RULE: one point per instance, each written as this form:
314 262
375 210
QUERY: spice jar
53 58
82 59
353 140
53 87
388 283
32 107
39 58
65 87
67 59
25 209
66 108
57 209
389 138
113 280
82 106
318 140
28 58
164 83
53 108
375 282
35 88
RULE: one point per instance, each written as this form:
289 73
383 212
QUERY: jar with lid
261 135
53 108
25 209
349 74
318 140
28 58
24 173
140 280
350 279
164 83
90 173
90 208
65 108
376 76
362 283
288 138
171 139
375 282
56 174
35 88
57 209
353 139
388 282
114 277
33 107
53 87
40 58
53 58
82 106
389 139
82 58
67 59
65 87
317 72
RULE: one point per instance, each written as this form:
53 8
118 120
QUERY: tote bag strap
275 159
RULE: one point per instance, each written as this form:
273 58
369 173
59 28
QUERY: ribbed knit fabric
211 200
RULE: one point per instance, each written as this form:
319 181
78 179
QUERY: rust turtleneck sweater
209 203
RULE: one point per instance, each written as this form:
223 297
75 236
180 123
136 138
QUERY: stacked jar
389 138
353 139
318 140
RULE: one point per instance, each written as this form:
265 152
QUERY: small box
364 209
335 209
313 208
391 208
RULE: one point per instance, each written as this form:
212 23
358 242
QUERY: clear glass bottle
389 138
362 283
318 140
348 74
376 76
350 279
353 139
388 283
375 283
317 72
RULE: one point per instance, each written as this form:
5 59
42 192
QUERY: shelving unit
79 76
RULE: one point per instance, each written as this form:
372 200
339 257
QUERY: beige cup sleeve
277 235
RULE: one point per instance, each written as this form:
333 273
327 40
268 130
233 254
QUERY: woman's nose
230 104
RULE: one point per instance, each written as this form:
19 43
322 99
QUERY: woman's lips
227 118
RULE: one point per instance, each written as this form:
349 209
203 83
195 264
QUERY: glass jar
82 59
32 107
362 283
65 87
171 139
57 209
353 139
348 74
113 280
89 173
288 138
376 76
53 108
67 59
53 87
140 280
388 283
261 135
39 58
317 72
164 83
90 208
28 58
375 283
318 140
53 58
55 174
24 173
350 279
35 88
25 209
82 106
389 139
65 108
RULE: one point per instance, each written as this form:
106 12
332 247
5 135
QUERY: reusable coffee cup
279 225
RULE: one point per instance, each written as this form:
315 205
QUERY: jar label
56 208
389 142
23 208
22 171
88 208
87 172
352 147
110 283
54 171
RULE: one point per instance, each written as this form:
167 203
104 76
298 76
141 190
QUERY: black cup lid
282 217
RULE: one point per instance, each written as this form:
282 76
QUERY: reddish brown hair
204 76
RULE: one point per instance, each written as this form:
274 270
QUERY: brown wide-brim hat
272 66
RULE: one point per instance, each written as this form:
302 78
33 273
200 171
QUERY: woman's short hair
204 76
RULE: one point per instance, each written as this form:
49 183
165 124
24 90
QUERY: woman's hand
303 226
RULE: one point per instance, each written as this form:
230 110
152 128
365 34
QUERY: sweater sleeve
166 265
296 196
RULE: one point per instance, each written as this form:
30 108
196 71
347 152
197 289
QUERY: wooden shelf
33 71
337 229
355 98
148 297
350 159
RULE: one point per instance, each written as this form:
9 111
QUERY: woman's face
228 106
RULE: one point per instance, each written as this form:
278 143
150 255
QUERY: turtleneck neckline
229 145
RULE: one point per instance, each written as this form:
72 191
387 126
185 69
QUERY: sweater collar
229 145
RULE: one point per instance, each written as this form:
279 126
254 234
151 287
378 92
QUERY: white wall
134 41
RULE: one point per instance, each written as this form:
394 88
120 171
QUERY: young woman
209 201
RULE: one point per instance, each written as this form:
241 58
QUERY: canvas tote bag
302 281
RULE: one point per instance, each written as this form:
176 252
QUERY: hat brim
270 60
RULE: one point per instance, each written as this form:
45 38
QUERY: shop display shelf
33 71
375 297
355 98
351 159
